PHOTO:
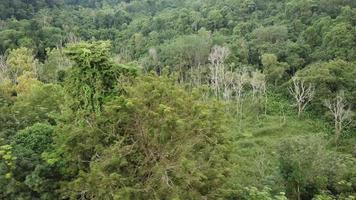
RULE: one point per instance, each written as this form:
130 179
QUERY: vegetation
167 99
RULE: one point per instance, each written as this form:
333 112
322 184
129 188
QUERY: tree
150 144
342 114
216 19
340 45
187 55
330 77
271 34
301 93
273 69
265 194
19 61
40 103
7 163
3 68
217 58
53 69
239 80
31 174
303 164
258 83
93 75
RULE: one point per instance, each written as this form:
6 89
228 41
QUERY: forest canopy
178 99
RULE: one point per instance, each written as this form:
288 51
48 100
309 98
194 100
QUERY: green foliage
330 78
254 194
41 104
78 120
274 70
308 168
30 174
156 142
19 61
187 53
7 161
92 77
54 69
302 162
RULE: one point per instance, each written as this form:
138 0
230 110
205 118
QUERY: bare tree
341 112
153 54
301 93
227 83
72 38
240 79
259 87
153 61
217 58
3 68
44 18
258 83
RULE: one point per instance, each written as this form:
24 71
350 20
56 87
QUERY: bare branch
217 58
301 93
3 68
258 83
341 112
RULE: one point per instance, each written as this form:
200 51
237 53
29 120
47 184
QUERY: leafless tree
2 24
258 83
341 112
217 58
196 75
44 18
72 38
240 79
227 85
3 68
259 87
301 93
154 60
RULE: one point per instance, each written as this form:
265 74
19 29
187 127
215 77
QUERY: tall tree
93 76
218 73
155 142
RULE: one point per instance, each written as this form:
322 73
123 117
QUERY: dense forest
178 99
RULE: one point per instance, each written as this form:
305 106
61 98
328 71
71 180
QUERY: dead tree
228 82
240 79
259 87
3 67
341 112
258 83
301 93
217 58
154 61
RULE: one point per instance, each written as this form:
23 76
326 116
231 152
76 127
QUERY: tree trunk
299 110
298 192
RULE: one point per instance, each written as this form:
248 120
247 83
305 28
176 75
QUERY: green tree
156 142
55 66
329 78
274 70
265 194
339 42
31 175
93 75
41 104
303 165
19 61
187 55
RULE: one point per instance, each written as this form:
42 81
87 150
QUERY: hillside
178 99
